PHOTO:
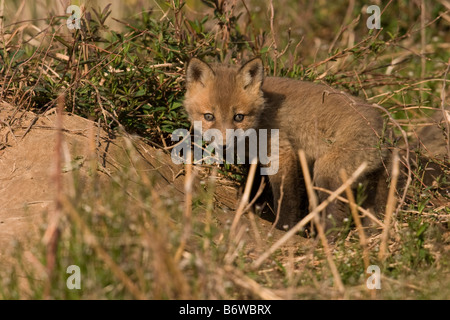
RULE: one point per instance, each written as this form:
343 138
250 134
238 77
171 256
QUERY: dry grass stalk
277 216
326 248
365 213
2 10
313 203
445 113
274 41
300 225
257 195
10 129
258 239
357 219
188 182
244 200
52 234
390 206
210 205
249 284
423 44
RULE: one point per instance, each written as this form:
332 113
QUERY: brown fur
334 129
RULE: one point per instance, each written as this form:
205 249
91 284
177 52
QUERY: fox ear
198 71
252 74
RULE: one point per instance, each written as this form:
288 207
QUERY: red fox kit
335 130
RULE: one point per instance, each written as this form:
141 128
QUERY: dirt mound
27 167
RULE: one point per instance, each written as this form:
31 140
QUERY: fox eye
238 117
208 116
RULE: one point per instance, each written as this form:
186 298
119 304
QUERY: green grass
132 77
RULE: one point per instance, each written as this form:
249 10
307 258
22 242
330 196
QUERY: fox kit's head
224 97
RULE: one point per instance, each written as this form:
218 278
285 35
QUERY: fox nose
235 137
216 141
222 140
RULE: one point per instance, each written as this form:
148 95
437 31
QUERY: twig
390 94
272 30
423 43
10 129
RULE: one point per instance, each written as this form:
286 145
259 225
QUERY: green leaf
422 229
139 93
264 50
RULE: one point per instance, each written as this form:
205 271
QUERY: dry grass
136 242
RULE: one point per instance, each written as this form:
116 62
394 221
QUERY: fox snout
222 139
